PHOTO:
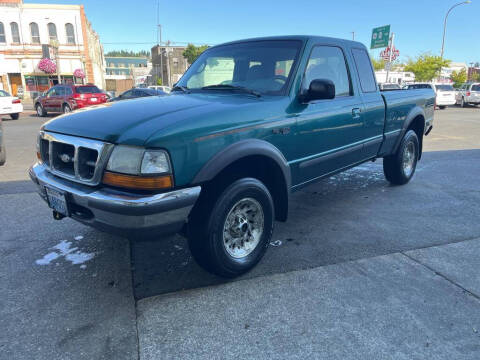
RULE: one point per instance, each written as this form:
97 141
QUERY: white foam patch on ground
72 254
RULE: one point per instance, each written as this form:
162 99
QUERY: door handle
356 113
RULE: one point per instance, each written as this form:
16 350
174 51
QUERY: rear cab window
364 70
476 87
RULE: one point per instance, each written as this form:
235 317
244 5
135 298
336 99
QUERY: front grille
78 159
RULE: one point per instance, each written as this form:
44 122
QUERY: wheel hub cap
409 159
243 228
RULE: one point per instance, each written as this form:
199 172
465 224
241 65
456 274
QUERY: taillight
16 101
78 96
468 93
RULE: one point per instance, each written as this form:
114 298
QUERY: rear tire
67 109
442 107
400 167
15 116
230 236
40 110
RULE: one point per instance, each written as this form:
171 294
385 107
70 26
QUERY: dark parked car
65 98
136 93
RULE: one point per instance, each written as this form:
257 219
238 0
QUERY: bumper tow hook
57 215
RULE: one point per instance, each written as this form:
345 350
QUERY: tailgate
95 98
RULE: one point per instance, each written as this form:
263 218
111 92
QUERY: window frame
32 37
12 24
70 36
50 37
358 72
352 91
2 33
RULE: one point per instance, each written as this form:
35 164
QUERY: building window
70 34
2 33
34 33
15 32
52 31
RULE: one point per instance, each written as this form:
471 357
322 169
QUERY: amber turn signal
137 182
39 157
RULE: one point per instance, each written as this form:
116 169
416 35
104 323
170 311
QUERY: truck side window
328 62
364 69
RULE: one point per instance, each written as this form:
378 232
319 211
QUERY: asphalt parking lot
362 270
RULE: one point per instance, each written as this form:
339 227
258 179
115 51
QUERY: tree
458 77
192 52
128 53
426 67
476 76
159 81
377 64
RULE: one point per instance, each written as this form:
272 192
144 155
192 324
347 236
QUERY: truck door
329 132
374 106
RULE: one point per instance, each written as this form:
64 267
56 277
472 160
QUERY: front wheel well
259 167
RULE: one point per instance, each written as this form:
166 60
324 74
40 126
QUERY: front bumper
120 212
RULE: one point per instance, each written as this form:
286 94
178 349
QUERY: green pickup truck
250 122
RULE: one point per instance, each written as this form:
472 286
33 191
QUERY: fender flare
239 150
416 111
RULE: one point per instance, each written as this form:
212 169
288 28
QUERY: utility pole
389 64
159 42
160 51
167 50
353 35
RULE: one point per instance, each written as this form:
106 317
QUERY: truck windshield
264 67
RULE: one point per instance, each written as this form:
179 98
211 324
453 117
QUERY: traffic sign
385 54
380 37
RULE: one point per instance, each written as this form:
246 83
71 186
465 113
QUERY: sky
417 24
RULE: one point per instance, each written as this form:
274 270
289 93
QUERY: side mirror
319 89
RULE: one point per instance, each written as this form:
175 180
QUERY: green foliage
426 67
476 77
192 52
378 64
128 53
458 77
159 81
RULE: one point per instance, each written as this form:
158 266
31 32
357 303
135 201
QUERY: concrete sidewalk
422 304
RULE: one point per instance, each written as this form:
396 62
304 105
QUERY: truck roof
303 38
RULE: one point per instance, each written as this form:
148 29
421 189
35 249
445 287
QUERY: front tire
40 110
15 116
443 107
400 167
232 237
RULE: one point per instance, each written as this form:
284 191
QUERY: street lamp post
445 23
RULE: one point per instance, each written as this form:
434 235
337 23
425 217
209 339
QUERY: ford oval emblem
65 158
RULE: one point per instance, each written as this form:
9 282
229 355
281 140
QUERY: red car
65 98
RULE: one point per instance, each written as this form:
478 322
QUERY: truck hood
132 122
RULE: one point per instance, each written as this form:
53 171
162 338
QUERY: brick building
31 32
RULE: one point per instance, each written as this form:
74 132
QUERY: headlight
138 161
138 168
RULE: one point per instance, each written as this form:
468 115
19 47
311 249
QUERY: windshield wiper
231 87
181 88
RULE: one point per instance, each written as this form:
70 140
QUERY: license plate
56 200
93 99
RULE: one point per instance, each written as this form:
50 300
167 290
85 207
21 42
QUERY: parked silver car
468 94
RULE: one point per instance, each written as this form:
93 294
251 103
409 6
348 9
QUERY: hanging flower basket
78 73
47 66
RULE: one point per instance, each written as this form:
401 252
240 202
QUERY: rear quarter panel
402 106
